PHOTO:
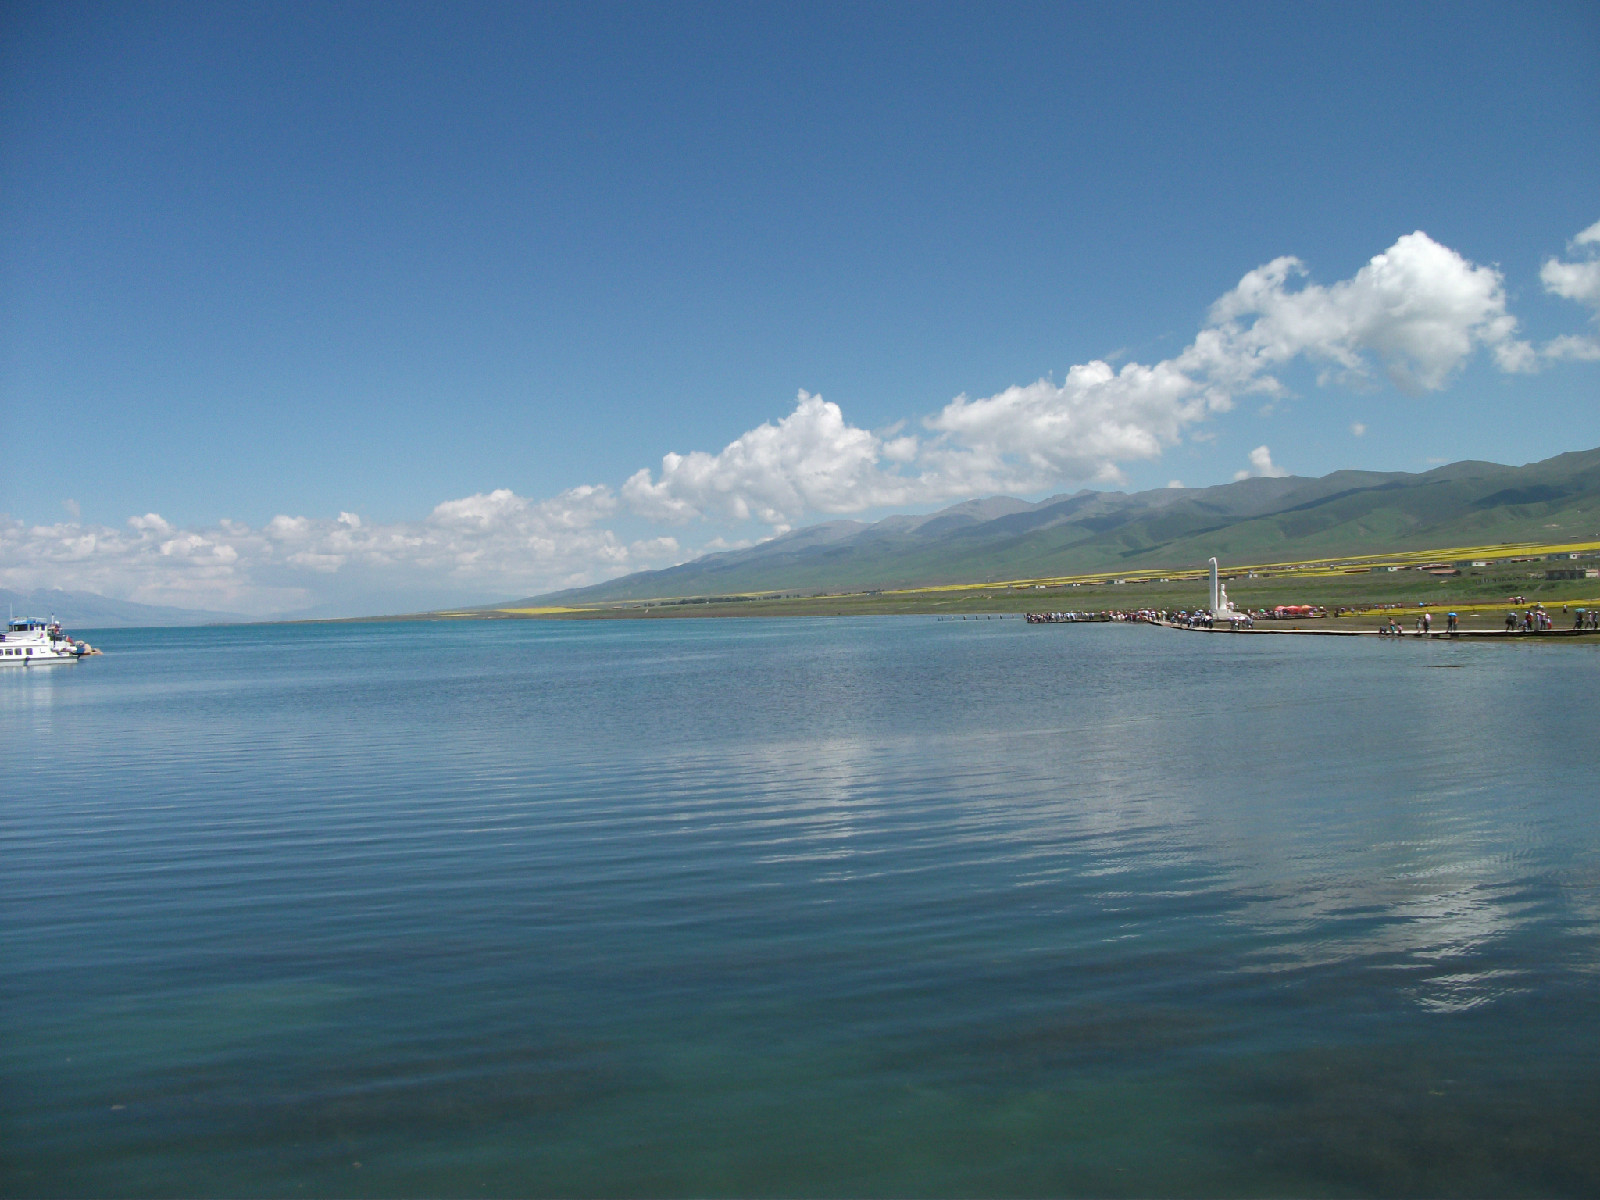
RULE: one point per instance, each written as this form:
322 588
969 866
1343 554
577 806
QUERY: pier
1247 629
1412 635
1522 621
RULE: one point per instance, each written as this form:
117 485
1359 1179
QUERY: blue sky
461 272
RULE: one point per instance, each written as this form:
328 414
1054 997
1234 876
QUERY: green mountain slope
1251 521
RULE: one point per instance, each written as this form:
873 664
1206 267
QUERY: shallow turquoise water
834 907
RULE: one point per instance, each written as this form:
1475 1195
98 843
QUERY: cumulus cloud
1082 429
1572 347
493 543
1417 311
149 523
1261 466
1414 314
1579 281
811 461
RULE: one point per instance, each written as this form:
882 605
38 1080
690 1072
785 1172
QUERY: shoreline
1408 635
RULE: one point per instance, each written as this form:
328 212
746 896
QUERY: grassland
1366 585
1460 511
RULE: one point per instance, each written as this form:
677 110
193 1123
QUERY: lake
890 907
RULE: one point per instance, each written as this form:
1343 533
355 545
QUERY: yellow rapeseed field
1308 567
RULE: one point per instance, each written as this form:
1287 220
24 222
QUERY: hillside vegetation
1342 515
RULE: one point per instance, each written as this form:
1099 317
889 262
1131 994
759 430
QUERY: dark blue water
843 907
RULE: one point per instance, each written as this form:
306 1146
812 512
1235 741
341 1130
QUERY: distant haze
86 610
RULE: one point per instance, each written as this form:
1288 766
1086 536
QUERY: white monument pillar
1215 600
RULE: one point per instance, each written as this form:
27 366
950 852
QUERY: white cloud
149 523
1579 281
811 461
1414 314
288 529
1358 429
495 543
1261 466
1174 483
1572 347
1418 310
1028 438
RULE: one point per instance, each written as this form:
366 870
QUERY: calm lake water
885 907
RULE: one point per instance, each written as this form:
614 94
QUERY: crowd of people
1198 619
1109 614
1201 619
1531 620
1537 620
1424 627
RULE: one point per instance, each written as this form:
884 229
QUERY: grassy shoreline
1371 587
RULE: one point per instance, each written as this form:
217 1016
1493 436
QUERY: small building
1573 573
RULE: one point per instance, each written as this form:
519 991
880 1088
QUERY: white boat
32 643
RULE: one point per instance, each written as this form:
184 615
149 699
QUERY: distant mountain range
89 610
1251 521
